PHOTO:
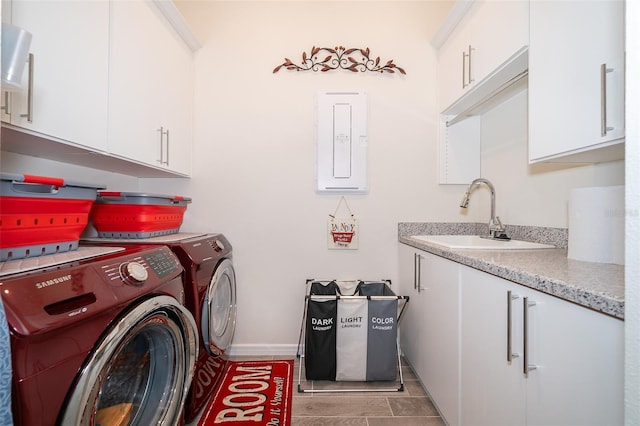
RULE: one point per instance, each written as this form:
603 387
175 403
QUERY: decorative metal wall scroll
325 59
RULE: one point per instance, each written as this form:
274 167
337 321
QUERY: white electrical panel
342 141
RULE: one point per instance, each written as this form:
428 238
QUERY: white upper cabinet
490 34
150 90
112 78
576 81
64 93
482 59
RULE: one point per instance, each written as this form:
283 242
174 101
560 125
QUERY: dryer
210 287
99 340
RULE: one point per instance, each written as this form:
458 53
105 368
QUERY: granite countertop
598 286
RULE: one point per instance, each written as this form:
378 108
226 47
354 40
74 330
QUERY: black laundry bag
320 339
329 289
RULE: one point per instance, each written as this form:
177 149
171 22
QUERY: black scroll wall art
324 59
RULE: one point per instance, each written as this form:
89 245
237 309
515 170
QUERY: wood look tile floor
411 407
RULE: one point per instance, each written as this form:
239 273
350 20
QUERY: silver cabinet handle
419 272
161 160
510 298
7 103
415 271
164 147
464 69
526 366
603 100
471 80
167 134
29 114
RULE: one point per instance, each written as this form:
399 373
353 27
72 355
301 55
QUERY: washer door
139 374
219 310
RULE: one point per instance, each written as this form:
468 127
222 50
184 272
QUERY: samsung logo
53 281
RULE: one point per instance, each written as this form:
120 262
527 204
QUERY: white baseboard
289 350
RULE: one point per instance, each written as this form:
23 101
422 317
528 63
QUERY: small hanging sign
342 232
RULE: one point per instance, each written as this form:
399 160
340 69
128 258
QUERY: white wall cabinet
108 77
429 333
490 33
577 354
67 96
476 68
576 81
150 89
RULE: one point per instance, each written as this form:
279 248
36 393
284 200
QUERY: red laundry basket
42 215
136 215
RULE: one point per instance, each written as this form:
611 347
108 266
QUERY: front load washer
210 286
103 340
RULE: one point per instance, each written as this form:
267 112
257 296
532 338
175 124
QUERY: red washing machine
99 336
210 287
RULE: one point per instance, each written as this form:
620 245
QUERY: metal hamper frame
301 345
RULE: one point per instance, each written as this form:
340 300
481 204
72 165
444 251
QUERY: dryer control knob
134 273
218 245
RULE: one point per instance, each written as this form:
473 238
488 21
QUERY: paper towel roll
596 224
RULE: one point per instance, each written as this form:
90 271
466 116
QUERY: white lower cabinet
411 332
574 357
462 325
429 332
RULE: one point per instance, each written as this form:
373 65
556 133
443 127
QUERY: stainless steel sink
475 242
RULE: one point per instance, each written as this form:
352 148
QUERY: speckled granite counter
598 286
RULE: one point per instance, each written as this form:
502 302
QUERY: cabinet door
577 354
70 70
453 77
473 52
575 104
498 29
411 336
150 91
177 112
579 359
492 387
439 331
429 335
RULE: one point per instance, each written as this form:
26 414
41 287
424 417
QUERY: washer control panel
162 263
142 268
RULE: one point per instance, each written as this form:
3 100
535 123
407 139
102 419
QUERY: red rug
252 393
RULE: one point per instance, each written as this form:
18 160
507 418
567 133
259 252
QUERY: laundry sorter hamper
349 332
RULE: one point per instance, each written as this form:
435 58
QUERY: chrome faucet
496 229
